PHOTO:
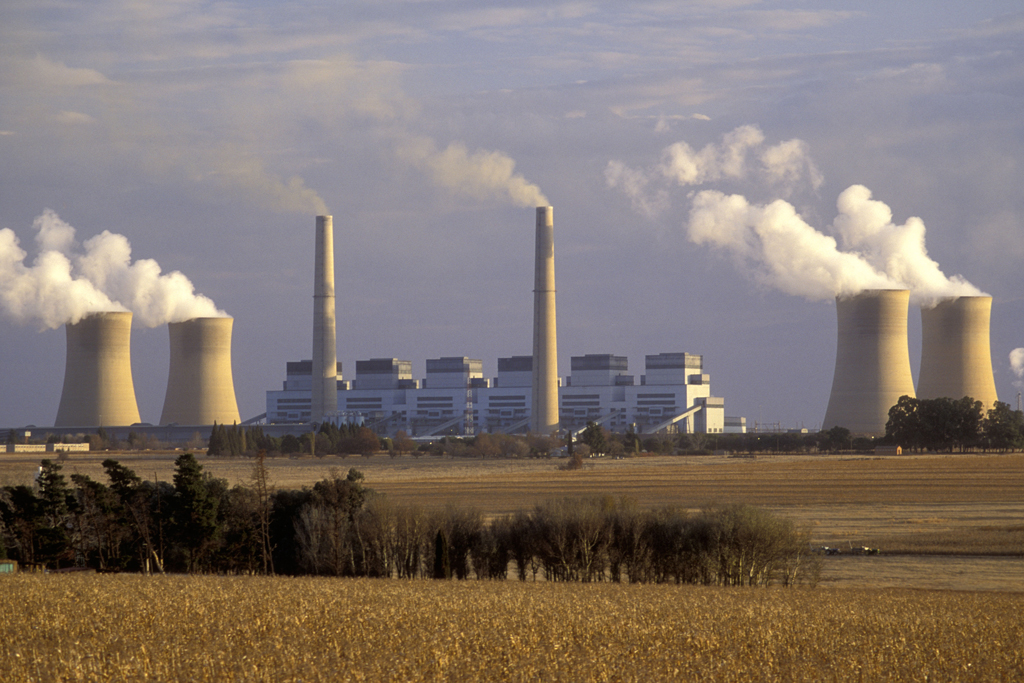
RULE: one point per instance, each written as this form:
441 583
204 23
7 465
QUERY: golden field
159 628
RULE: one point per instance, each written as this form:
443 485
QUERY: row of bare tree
562 540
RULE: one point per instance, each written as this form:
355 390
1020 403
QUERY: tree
835 439
968 417
402 442
1004 428
631 441
55 501
290 444
261 487
904 426
135 507
595 437
196 504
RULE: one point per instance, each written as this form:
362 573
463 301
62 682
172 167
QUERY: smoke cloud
483 174
65 282
779 249
741 155
1017 365
864 226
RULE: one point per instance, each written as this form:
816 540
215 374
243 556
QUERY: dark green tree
218 440
595 437
631 441
835 439
904 426
290 444
139 507
195 510
1003 428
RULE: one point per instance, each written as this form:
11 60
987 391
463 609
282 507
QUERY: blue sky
210 133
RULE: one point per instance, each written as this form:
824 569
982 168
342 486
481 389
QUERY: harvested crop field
107 627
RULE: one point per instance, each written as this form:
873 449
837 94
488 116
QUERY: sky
202 138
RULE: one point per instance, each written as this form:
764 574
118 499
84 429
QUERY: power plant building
455 397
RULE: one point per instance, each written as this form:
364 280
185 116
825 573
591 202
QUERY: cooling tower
872 361
200 388
544 409
325 350
98 389
956 359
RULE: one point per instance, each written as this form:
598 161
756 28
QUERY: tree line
945 424
338 527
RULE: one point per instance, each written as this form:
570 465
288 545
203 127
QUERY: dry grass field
139 628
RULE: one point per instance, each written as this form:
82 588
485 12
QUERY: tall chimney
872 361
98 388
956 357
325 351
200 387
544 409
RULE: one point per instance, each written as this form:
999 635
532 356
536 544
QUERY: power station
98 388
956 357
200 386
872 371
872 360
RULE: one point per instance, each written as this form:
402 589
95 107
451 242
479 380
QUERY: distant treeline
940 424
340 528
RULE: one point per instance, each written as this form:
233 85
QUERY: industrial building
454 397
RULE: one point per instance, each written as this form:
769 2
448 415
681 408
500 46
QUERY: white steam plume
46 292
66 283
864 225
779 248
483 174
741 155
1017 365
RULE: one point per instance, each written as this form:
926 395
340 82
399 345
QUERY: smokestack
872 360
956 358
544 413
325 351
98 388
200 388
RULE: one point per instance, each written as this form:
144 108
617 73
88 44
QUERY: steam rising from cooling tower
200 386
779 249
66 282
325 351
865 227
1017 366
956 359
98 388
544 409
872 361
